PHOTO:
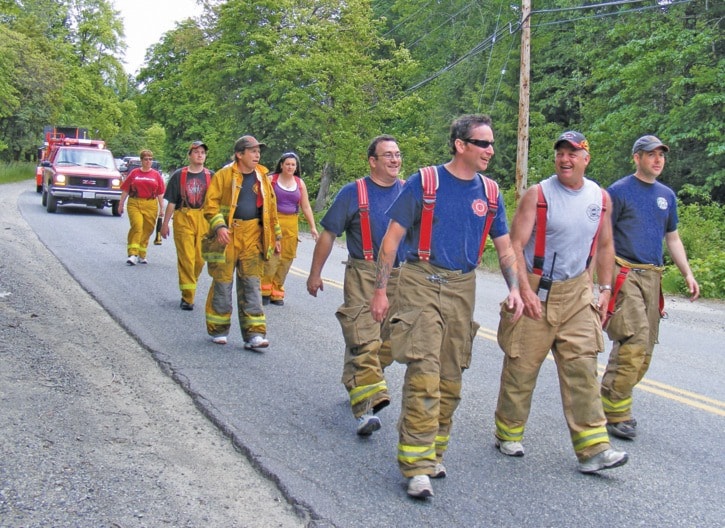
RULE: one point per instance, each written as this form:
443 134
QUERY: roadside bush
701 231
709 272
16 171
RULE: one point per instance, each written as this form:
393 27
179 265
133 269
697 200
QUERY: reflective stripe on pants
189 226
243 255
142 214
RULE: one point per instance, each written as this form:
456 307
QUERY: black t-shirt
195 189
247 203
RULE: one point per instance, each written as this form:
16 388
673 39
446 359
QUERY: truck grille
85 181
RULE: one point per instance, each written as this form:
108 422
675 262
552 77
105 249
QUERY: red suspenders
429 180
618 282
364 206
540 243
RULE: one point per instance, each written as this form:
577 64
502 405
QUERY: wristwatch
603 287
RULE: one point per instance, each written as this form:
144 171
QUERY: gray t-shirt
572 220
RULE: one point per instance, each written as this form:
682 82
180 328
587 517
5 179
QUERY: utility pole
522 151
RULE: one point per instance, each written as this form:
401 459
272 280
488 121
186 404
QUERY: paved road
288 412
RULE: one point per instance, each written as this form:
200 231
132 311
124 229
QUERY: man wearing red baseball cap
558 226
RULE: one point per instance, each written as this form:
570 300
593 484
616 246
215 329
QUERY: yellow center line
683 396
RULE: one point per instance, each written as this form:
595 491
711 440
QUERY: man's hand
314 283
222 235
603 302
515 304
532 304
379 305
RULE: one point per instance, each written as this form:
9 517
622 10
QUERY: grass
16 171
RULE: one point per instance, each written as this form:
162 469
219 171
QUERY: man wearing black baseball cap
185 195
644 211
241 209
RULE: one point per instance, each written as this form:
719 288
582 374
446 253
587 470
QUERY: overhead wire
490 56
514 27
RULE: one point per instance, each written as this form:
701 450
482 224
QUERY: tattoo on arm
382 271
508 270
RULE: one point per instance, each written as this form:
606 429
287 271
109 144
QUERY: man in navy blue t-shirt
359 211
644 211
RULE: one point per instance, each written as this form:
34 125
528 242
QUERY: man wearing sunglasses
432 326
559 224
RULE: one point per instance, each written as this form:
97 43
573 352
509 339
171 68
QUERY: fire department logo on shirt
594 211
480 207
662 203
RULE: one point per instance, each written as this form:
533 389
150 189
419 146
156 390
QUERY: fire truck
78 170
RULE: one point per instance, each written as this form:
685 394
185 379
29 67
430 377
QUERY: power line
514 27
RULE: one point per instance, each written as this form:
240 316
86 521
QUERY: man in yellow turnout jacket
241 209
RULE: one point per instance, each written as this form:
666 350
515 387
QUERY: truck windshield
85 157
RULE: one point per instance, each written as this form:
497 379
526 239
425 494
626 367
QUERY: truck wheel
52 205
114 208
44 198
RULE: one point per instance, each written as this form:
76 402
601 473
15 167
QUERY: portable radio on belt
545 283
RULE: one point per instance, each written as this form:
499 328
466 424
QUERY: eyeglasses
147 158
389 156
478 142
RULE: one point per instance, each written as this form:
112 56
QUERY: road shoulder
94 433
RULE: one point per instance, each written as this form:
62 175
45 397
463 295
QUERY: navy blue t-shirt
344 215
642 214
459 218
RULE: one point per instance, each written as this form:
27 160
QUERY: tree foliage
323 77
60 67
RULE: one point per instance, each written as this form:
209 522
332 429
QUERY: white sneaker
439 471
419 487
132 260
142 260
220 340
611 458
367 424
514 449
256 341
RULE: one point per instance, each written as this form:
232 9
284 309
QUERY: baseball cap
195 144
246 142
648 144
575 139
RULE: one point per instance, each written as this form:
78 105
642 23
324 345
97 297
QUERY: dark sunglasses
478 142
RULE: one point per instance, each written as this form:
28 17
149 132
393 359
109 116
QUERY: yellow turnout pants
278 266
243 255
142 214
189 228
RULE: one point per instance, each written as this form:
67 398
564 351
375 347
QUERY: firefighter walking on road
558 226
144 189
185 195
359 211
241 209
644 212
446 211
